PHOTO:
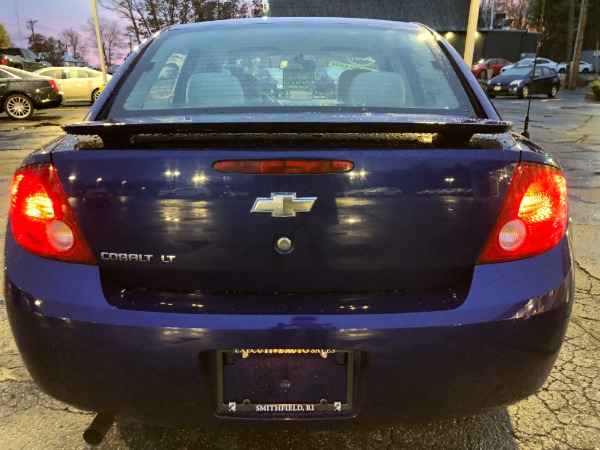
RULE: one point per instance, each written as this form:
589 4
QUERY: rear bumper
46 103
506 90
160 367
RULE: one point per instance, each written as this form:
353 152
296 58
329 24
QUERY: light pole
99 40
471 30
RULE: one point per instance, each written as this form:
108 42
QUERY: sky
52 17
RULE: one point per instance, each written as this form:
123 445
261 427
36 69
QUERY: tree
556 34
74 41
145 17
4 37
516 10
131 11
258 8
552 25
113 38
578 44
249 8
50 49
154 15
570 32
513 9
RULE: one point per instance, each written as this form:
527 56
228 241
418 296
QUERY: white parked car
583 67
76 84
528 62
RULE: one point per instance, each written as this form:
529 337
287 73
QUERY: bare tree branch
113 38
74 41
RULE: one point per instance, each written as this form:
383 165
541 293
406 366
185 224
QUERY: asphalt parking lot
565 414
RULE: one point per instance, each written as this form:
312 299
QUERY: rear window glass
4 74
18 73
289 66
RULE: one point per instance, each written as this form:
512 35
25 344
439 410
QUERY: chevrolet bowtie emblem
283 204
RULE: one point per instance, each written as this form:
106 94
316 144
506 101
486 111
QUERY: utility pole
578 45
21 41
570 30
30 24
597 54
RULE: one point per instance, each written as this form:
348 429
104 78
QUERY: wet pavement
565 414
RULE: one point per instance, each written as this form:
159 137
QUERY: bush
595 85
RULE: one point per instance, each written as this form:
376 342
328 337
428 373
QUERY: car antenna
525 132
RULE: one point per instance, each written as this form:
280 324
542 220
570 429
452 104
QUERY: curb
591 96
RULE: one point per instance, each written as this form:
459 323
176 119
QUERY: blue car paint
413 171
157 366
493 346
497 292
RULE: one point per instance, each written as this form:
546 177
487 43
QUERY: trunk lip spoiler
451 128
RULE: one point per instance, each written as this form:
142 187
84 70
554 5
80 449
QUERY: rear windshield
290 67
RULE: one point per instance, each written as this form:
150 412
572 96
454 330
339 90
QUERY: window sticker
298 84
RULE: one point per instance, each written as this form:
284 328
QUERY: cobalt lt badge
283 204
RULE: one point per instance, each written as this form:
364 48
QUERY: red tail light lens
53 84
284 166
533 218
41 217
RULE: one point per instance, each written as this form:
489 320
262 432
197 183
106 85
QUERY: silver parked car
529 62
76 84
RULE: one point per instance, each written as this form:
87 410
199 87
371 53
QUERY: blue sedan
287 296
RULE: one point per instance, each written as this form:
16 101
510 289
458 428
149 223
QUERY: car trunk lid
410 215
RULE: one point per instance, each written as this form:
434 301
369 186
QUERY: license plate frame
315 363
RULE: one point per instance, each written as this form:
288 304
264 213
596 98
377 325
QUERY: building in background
449 18
69 61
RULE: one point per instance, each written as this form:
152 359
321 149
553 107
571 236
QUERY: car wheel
525 92
95 95
483 75
491 95
562 70
553 91
18 107
586 70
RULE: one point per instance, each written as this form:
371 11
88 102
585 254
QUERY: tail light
533 218
41 217
53 84
4 61
284 166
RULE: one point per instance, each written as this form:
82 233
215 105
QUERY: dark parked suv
21 58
